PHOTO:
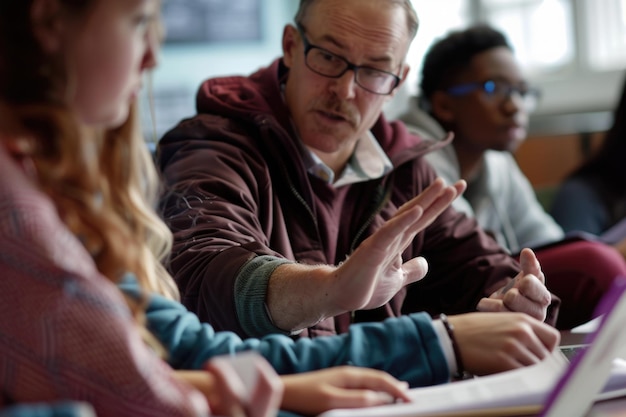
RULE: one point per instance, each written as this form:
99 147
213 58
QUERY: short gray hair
411 15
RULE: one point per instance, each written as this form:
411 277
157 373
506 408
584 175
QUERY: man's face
482 121
331 114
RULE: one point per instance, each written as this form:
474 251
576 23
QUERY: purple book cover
589 369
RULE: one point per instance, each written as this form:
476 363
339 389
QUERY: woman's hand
313 393
244 385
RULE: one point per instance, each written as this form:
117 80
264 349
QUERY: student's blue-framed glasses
500 90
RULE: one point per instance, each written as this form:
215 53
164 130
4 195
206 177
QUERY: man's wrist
250 296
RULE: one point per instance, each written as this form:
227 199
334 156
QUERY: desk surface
572 338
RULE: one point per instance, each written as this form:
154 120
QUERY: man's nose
345 85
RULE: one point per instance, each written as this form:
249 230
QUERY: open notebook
555 387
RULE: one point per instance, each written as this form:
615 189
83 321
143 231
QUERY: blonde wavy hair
103 182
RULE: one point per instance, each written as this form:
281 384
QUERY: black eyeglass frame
308 46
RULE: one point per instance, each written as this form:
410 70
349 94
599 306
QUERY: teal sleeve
406 347
250 293
60 409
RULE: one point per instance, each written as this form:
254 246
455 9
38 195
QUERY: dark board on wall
198 21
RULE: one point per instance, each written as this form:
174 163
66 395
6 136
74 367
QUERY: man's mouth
334 116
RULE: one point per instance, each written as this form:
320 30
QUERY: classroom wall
546 156
183 67
546 160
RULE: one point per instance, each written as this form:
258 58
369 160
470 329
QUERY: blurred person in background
472 85
592 199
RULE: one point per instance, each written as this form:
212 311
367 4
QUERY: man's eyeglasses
500 90
326 63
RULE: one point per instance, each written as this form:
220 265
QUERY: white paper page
520 387
615 387
589 327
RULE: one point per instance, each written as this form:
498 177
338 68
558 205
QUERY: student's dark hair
411 15
450 55
606 167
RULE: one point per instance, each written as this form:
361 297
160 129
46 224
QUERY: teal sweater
407 347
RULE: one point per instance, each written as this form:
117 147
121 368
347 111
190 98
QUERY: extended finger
431 194
425 219
399 231
385 243
426 197
548 335
379 381
358 398
392 235
371 379
539 349
530 264
434 200
538 338
442 202
529 351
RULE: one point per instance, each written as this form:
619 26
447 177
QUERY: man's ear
404 73
289 45
441 107
46 20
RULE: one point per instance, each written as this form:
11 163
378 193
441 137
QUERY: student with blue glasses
473 86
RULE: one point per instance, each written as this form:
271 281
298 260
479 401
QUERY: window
211 20
544 32
540 31
575 50
605 40
436 19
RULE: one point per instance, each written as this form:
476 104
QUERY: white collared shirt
368 162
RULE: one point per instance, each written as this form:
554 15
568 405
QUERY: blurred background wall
248 37
573 50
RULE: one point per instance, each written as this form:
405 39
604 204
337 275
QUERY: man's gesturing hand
526 293
375 272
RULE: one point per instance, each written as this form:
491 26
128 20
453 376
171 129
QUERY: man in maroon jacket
293 201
